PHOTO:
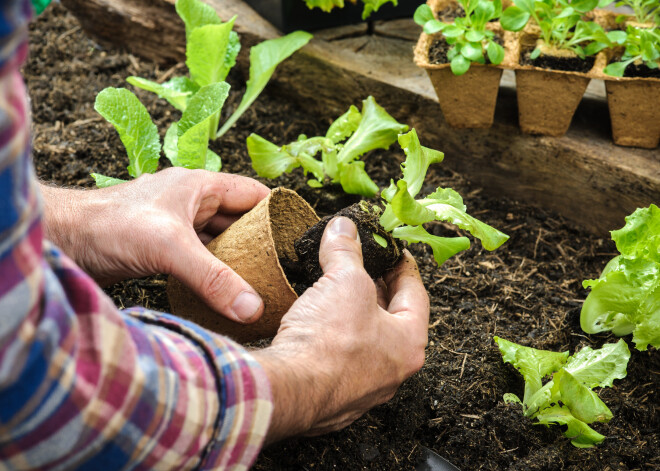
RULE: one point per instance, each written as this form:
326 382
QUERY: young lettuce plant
561 25
626 297
370 6
645 11
404 216
211 51
567 399
470 40
642 45
349 137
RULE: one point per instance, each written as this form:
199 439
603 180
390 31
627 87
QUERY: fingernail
246 305
343 226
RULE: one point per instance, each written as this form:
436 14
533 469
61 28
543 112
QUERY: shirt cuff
245 401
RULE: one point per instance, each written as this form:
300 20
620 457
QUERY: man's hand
158 224
345 346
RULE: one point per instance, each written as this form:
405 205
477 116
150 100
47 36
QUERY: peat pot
290 15
547 100
468 100
252 247
634 111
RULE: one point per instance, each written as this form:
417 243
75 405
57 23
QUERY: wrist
300 388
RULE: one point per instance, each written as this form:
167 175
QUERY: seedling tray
291 15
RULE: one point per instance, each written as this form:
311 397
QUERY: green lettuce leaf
418 160
264 58
490 237
599 368
623 298
580 434
406 209
136 130
196 14
206 53
377 130
197 124
371 6
443 247
271 161
532 363
583 403
103 182
325 5
345 125
355 181
176 91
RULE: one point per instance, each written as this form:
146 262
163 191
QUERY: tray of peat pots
555 56
632 79
461 49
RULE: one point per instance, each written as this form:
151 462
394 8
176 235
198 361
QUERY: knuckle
217 281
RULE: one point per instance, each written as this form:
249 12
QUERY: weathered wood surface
581 175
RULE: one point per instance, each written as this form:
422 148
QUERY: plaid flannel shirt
84 385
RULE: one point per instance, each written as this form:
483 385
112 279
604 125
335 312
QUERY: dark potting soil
568 64
450 13
439 49
641 71
377 259
528 291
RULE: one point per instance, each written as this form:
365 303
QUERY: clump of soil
568 64
377 259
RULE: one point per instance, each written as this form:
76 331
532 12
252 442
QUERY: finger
237 194
217 284
340 246
408 296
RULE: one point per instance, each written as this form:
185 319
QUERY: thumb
217 284
340 246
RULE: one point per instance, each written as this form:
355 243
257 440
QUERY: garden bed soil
528 291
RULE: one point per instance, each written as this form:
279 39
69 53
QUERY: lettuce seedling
645 11
642 45
211 50
470 40
370 6
561 25
349 137
568 397
404 216
626 297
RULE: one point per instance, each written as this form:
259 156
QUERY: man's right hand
345 346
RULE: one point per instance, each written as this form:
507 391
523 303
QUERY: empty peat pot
252 247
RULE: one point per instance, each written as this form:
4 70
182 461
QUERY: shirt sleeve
84 385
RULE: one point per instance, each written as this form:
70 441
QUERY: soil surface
569 64
528 291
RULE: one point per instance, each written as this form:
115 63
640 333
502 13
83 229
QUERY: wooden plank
581 175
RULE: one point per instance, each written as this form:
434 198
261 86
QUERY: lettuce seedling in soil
626 297
211 50
468 38
370 6
641 57
563 31
349 137
567 398
400 218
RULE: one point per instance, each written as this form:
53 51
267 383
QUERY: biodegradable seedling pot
634 106
253 247
468 100
547 99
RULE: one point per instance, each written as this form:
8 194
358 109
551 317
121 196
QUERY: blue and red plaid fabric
84 385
